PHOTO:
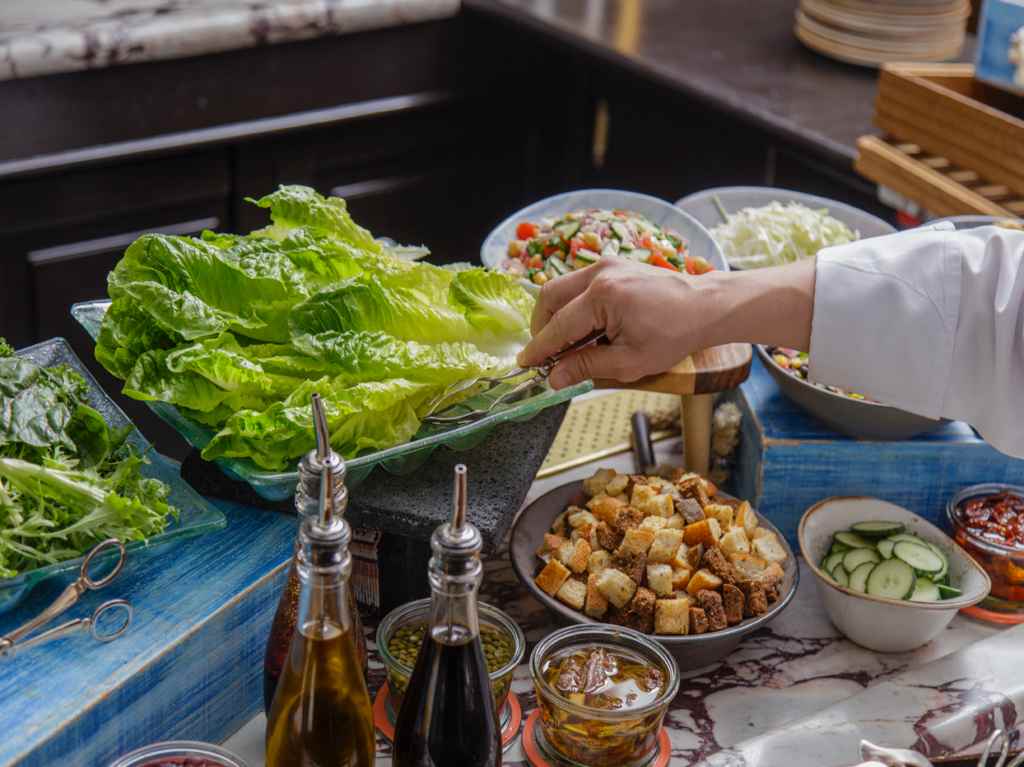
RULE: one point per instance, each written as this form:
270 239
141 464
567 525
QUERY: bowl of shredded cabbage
762 226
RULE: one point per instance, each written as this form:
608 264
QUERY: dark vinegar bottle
448 717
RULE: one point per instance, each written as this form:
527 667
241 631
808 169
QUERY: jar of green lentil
400 635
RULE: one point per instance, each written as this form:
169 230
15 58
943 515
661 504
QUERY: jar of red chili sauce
988 522
180 753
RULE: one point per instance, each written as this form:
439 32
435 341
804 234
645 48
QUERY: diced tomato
574 245
551 249
647 242
525 230
536 262
698 265
657 259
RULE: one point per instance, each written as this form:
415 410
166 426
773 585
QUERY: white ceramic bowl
662 213
878 623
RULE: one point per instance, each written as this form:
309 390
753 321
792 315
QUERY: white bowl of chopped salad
758 226
573 230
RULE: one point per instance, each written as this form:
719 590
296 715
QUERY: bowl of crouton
671 557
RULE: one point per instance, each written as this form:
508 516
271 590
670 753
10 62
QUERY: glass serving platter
400 460
195 516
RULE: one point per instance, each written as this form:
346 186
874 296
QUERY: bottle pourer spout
323 436
459 505
326 515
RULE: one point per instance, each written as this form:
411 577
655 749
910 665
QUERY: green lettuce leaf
493 302
295 207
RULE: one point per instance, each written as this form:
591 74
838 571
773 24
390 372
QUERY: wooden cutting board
712 370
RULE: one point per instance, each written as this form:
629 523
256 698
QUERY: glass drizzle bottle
321 713
307 495
447 716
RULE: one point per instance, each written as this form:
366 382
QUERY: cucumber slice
921 558
621 231
840 576
556 267
567 230
640 254
586 257
611 248
948 592
830 562
945 563
878 529
893 579
909 538
853 540
856 557
838 548
859 577
885 548
925 591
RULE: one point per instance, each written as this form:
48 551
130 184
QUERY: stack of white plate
872 32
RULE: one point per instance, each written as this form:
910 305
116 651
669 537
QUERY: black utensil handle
643 448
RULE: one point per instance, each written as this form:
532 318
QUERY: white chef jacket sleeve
931 321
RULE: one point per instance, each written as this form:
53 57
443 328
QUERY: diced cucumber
853 540
640 254
948 592
568 230
859 577
831 561
921 558
856 557
925 591
611 248
586 257
885 548
893 579
877 529
556 267
621 231
840 576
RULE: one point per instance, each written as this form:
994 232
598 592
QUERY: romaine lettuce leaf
493 302
295 207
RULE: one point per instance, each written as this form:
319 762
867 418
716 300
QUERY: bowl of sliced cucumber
890 580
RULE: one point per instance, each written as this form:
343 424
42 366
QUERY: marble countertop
780 677
41 38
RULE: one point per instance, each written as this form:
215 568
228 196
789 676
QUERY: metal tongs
878 756
538 374
103 629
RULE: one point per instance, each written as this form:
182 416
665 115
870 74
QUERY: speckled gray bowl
691 652
855 418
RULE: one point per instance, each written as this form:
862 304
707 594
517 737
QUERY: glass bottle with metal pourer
447 716
307 496
321 713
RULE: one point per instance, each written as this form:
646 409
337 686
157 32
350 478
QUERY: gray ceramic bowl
971 222
734 198
662 213
690 652
855 418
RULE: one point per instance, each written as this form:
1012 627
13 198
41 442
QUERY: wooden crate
943 110
940 186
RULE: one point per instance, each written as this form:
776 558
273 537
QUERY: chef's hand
655 317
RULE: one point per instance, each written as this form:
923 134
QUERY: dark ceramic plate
691 652
855 418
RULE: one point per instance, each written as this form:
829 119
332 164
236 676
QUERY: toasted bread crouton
665 546
577 562
682 557
636 541
628 518
608 537
756 599
598 561
617 587
735 541
622 498
642 494
617 484
703 580
565 551
580 518
551 578
715 528
659 579
584 532
689 510
605 508
732 600
659 506
573 593
692 486
698 621
768 547
694 556
715 561
550 545
773 572
597 482
700 532
746 518
759 532
672 616
596 604
711 603
719 511
633 565
675 522
641 609
748 565
558 527
653 523
681 578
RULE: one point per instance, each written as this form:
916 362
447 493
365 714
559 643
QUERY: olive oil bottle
321 713
448 716
307 496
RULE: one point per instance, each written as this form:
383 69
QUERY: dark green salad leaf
238 330
67 480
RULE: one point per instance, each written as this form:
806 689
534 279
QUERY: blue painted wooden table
202 604
789 460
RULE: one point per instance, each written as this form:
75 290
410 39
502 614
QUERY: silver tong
103 623
538 374
878 756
